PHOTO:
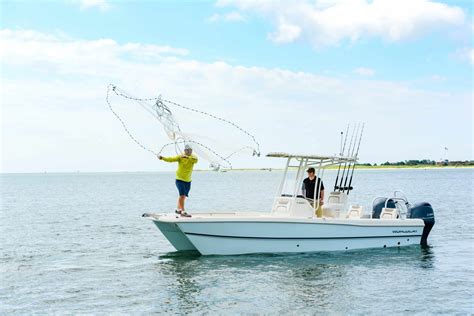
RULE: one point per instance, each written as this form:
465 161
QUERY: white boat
297 224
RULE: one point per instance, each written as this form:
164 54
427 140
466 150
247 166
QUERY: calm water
75 243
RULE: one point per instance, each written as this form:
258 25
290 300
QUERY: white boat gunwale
294 220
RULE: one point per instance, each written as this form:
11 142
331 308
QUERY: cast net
156 129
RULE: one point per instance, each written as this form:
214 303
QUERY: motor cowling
424 211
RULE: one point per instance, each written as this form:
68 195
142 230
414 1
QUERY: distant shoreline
357 167
412 167
419 167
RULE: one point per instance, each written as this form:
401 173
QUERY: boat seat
389 213
337 197
301 208
335 205
354 212
282 206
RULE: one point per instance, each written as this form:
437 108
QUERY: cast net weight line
164 115
162 101
123 123
255 152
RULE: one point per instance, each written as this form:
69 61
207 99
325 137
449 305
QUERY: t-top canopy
335 158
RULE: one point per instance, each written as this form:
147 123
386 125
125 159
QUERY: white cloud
286 33
331 22
53 99
465 55
362 71
33 47
102 5
227 17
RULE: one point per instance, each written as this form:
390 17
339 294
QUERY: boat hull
233 236
209 245
175 236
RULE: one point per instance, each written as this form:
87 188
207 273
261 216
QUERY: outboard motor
379 204
425 212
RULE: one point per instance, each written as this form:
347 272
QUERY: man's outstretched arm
169 159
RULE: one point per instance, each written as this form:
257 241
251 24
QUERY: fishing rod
345 163
344 188
352 156
357 153
341 154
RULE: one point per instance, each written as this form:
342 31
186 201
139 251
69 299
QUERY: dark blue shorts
183 187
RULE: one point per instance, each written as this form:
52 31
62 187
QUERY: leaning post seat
337 197
336 203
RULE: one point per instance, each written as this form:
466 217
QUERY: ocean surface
75 243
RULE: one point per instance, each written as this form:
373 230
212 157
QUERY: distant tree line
456 163
410 163
414 162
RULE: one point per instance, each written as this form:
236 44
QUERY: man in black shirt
310 184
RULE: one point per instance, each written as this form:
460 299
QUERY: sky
293 73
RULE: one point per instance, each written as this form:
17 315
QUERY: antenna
340 147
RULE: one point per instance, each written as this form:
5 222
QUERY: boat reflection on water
427 257
369 257
316 278
183 288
